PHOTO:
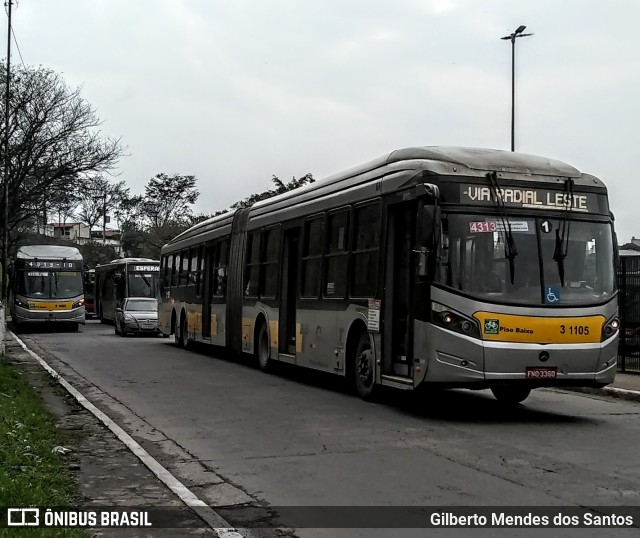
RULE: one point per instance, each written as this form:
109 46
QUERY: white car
137 315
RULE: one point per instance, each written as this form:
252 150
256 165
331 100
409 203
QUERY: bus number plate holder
537 372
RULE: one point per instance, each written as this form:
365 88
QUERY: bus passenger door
289 287
399 288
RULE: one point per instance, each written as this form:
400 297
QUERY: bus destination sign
53 264
145 268
530 198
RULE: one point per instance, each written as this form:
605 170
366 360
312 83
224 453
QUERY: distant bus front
47 286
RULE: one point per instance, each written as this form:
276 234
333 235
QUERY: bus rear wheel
262 350
511 395
182 337
364 368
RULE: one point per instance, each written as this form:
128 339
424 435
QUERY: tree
99 198
94 253
54 142
281 188
168 198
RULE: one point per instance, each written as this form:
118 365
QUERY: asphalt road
296 438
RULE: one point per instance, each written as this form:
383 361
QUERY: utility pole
512 38
104 218
5 193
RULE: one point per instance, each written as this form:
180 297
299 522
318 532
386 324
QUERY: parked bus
47 286
121 279
89 291
454 267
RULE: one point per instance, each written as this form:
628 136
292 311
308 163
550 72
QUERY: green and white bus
47 287
455 267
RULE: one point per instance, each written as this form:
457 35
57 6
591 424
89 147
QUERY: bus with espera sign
121 279
430 266
47 287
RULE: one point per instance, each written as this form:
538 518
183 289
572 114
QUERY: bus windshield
143 285
473 260
50 284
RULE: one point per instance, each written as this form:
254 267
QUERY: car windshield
473 259
142 305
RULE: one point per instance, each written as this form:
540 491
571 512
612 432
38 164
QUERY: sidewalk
626 381
625 386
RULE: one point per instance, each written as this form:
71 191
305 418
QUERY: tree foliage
280 188
99 198
54 144
168 199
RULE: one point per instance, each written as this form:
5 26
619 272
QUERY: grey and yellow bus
47 286
454 267
123 278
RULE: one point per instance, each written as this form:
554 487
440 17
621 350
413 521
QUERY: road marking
219 525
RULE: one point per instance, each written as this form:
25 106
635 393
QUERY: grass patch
30 474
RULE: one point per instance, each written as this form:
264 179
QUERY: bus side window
335 281
184 270
364 269
220 269
193 266
252 272
200 271
270 263
175 269
312 257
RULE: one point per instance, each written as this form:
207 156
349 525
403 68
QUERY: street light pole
512 37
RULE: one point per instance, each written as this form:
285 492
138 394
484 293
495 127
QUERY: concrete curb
215 521
609 392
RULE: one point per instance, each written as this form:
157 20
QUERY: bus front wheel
511 395
365 368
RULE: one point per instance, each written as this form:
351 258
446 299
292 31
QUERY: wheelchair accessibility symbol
552 294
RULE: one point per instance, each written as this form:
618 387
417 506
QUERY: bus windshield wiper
510 249
562 232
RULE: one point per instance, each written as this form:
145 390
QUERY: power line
15 40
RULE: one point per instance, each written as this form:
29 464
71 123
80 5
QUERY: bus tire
364 368
183 338
511 395
262 349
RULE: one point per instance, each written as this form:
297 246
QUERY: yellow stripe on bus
540 330
42 305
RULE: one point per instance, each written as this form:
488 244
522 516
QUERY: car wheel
364 368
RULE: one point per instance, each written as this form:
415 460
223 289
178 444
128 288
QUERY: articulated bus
121 279
47 286
453 267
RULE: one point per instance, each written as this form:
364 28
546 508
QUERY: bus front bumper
473 363
26 316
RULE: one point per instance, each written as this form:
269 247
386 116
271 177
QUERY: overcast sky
236 91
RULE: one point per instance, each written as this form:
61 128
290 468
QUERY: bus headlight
22 304
450 319
610 328
78 304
